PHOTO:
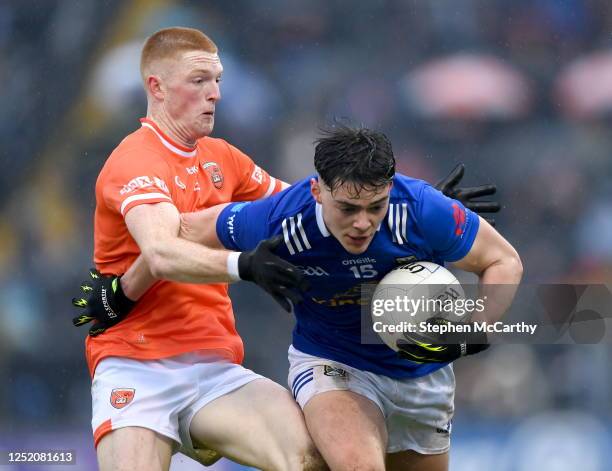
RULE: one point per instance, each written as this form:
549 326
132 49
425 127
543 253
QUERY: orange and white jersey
171 318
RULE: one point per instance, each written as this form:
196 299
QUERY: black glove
282 280
453 345
105 304
466 195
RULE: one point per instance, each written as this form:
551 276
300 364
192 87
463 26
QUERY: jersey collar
166 141
320 222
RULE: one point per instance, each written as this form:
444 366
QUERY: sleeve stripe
404 219
301 228
270 187
145 196
286 237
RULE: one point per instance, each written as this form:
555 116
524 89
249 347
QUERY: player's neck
173 131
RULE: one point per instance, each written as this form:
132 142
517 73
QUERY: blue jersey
421 224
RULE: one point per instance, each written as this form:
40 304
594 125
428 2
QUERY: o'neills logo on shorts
213 169
334 371
121 397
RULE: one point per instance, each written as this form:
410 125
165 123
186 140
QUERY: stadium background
519 90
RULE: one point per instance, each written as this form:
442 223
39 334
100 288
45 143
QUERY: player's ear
154 87
315 190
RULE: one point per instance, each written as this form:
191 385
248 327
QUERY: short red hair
167 43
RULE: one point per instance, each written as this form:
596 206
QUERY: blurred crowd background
519 90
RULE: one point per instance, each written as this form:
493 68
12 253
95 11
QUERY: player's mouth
358 240
209 114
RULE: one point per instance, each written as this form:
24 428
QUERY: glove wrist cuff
124 304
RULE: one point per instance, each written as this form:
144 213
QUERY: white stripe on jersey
286 237
169 145
397 225
404 219
145 196
300 245
301 228
270 187
397 220
390 220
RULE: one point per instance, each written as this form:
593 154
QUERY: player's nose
361 222
214 93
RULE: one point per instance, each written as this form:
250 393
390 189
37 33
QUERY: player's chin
356 246
205 126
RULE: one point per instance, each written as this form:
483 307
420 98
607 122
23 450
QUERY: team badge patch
333 371
215 173
121 397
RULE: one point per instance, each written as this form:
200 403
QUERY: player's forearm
185 261
137 279
498 285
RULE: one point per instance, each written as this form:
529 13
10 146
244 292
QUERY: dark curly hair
359 157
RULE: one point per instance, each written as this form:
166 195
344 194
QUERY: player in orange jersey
170 374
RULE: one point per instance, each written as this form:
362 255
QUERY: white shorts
161 395
417 411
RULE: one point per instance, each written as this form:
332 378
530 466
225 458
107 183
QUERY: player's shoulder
408 189
136 148
294 200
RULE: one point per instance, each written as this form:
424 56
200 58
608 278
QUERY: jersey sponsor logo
216 176
358 261
143 182
257 175
192 170
459 217
334 371
121 397
397 220
312 271
294 235
179 183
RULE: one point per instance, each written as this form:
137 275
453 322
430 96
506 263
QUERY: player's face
352 219
192 91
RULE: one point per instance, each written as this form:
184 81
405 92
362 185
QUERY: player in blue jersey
352 223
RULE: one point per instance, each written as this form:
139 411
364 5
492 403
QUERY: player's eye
198 80
347 210
376 209
219 79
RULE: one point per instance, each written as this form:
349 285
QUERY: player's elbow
514 266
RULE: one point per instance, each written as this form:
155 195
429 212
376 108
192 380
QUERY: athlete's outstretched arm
195 227
164 255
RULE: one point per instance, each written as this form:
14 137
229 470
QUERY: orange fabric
102 430
171 318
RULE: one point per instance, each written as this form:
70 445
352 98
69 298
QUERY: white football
409 295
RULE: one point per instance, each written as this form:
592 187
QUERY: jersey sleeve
131 180
253 182
449 227
241 226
